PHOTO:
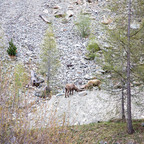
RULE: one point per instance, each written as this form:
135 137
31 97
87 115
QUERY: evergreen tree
12 49
115 61
126 53
50 58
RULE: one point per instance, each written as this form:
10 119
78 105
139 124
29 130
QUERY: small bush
90 56
83 25
12 50
92 48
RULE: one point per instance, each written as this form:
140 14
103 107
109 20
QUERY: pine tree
115 62
49 58
12 49
127 47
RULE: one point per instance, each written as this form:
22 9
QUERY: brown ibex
69 88
93 83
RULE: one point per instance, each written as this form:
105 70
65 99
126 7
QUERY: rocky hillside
26 23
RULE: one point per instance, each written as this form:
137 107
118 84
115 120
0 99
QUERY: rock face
81 109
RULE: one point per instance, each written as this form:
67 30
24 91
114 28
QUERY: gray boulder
84 93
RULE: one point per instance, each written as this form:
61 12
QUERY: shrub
90 56
92 48
12 50
83 25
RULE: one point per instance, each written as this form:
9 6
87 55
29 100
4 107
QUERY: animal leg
72 92
99 87
68 91
65 92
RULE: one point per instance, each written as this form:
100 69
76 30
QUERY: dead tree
34 80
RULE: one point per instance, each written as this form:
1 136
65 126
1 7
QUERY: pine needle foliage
126 55
12 49
50 62
117 38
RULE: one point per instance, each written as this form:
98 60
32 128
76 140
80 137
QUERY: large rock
135 25
45 19
102 142
56 7
45 11
90 1
69 13
84 93
59 14
100 71
60 94
88 77
79 2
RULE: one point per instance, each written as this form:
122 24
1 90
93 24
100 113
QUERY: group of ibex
69 88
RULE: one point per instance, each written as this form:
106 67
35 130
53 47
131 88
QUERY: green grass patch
110 132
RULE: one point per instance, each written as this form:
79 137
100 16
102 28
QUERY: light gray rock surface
96 106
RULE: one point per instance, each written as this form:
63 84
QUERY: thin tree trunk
123 110
123 86
49 73
129 119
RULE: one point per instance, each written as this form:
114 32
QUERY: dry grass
110 132
15 124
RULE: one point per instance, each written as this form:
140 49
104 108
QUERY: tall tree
50 58
115 62
129 119
127 40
